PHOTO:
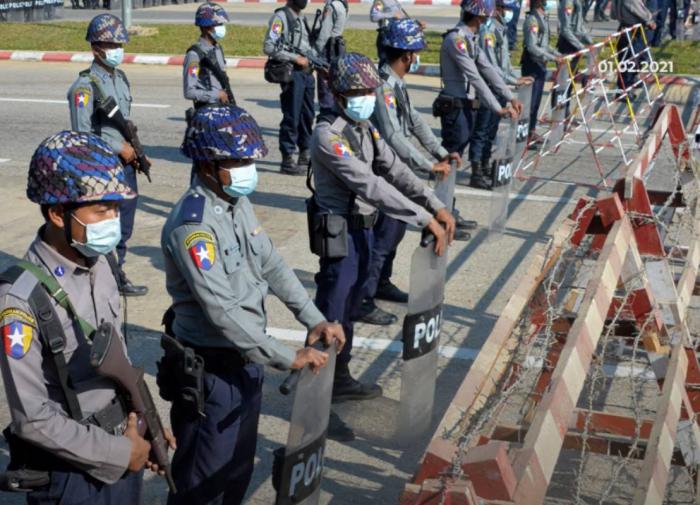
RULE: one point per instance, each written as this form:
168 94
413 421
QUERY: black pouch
189 114
328 233
279 72
181 375
29 467
444 104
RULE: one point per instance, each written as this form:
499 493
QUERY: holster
328 233
444 104
277 71
29 467
181 375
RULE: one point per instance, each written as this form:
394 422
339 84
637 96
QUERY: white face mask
360 108
219 32
415 65
100 238
243 181
550 5
114 57
507 16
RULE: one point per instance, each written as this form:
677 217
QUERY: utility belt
444 104
30 466
328 233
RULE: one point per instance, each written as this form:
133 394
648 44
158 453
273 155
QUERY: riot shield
521 133
558 114
299 466
421 331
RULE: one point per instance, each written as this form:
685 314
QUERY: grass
247 41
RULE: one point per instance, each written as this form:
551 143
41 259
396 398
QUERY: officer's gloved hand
328 332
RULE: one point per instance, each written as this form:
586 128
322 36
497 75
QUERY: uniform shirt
466 71
200 84
536 39
81 102
397 120
631 12
34 394
383 11
279 32
493 40
219 266
571 24
353 159
333 21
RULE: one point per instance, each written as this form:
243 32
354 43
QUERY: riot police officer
355 173
536 54
219 264
469 80
630 13
84 445
573 34
397 121
107 36
288 27
330 44
204 67
493 41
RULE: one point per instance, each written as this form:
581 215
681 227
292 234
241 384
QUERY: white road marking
482 193
450 352
4 160
63 102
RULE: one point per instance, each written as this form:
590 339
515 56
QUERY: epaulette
193 208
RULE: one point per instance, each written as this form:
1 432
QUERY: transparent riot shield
299 466
521 133
421 331
559 100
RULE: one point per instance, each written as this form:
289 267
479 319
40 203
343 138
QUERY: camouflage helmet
507 4
76 167
403 34
484 8
107 28
223 132
353 71
210 14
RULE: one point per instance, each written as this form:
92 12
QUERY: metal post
126 13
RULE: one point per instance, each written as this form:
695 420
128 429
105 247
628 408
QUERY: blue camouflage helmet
76 167
210 14
353 71
107 28
507 4
479 7
403 34
223 132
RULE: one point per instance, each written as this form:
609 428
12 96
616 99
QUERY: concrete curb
154 59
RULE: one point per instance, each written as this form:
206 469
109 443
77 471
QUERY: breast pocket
261 245
232 259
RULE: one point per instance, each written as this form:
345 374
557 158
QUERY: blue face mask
114 57
507 16
550 5
415 65
100 238
360 108
243 181
219 32
488 23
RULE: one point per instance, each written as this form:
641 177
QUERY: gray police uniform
467 74
355 172
199 83
383 11
219 266
297 97
573 34
84 118
330 44
82 450
629 13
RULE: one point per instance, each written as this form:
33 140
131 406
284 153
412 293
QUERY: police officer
536 54
397 121
200 82
355 172
630 13
383 11
289 26
468 75
219 265
107 36
85 444
330 44
493 41
573 35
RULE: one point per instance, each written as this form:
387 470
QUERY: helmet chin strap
68 231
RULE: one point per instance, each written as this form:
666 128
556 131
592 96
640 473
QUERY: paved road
482 273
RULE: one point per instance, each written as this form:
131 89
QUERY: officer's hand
441 169
447 220
455 157
127 154
139 447
440 236
517 105
170 439
398 15
524 81
328 332
422 24
652 25
310 356
302 62
223 96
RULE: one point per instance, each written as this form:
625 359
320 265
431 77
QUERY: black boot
461 223
371 314
303 160
127 288
290 167
346 388
389 292
477 179
462 235
338 430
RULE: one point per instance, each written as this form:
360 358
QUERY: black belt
111 418
362 221
218 360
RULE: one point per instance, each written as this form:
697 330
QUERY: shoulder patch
81 97
569 7
489 40
377 6
17 338
534 27
276 29
340 146
193 208
390 99
193 70
200 245
461 44
375 133
14 314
